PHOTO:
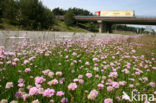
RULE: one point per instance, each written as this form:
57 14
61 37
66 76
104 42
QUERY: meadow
79 71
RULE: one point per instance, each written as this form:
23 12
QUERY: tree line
33 15
28 14
76 11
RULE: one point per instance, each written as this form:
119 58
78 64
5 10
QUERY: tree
48 19
69 18
1 1
9 10
81 12
35 15
58 11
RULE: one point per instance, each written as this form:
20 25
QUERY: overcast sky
141 7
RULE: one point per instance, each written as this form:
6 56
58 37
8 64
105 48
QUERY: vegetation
80 12
33 15
79 71
76 11
60 26
59 12
69 18
27 14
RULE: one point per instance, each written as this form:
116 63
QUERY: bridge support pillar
108 27
100 26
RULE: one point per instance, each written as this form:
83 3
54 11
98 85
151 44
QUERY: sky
145 8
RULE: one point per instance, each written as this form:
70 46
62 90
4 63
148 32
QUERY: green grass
60 26
5 25
124 32
65 56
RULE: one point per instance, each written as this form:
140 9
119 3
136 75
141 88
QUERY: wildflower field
79 71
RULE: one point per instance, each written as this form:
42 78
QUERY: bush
69 18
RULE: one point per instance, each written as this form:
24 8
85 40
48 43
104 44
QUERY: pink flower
81 81
16 60
95 59
35 101
87 63
113 74
13 63
45 72
80 76
75 80
115 84
20 80
33 91
1 63
112 64
64 100
48 92
92 95
131 79
39 80
72 86
8 62
27 70
110 88
62 80
152 84
154 68
60 93
66 56
122 83
53 82
89 75
20 85
100 86
9 85
133 51
108 100
96 69
58 73
131 85
26 61
126 71
25 96
74 54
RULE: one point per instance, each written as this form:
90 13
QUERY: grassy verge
79 71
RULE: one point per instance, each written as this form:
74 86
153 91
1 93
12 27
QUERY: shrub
69 18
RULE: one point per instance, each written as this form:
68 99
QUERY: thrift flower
72 86
92 95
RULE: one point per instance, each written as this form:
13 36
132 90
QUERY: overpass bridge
107 22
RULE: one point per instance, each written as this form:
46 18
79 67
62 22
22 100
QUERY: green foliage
70 58
28 14
58 11
9 10
0 10
37 18
81 12
124 28
76 11
69 18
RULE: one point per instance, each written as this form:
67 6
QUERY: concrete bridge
107 22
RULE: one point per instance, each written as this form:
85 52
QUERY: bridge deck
117 20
